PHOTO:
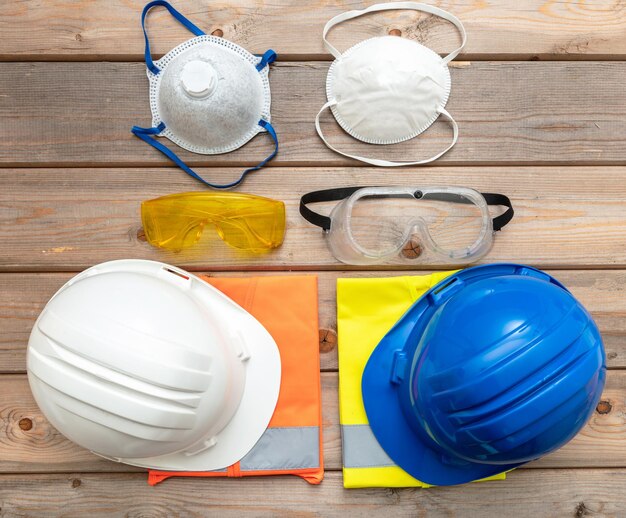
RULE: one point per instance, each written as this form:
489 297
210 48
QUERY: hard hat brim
253 415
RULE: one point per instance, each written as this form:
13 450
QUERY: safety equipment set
444 379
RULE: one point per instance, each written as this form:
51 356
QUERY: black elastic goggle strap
500 199
321 196
341 193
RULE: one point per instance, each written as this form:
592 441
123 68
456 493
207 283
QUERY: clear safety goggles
243 221
408 225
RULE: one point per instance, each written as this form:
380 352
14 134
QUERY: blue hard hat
495 366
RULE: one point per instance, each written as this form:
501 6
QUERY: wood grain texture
25 294
69 219
40 448
508 112
536 493
507 28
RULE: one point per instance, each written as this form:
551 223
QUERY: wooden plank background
552 113
539 97
97 31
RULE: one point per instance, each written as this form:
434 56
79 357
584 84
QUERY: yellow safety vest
366 309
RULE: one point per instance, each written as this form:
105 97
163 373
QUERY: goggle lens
381 224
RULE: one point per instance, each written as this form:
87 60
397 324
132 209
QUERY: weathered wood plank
508 112
536 493
25 294
69 219
111 30
28 443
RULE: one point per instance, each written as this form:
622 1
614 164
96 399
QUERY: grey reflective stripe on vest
361 449
295 447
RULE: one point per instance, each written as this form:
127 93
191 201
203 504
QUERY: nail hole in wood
395 32
604 407
328 340
26 424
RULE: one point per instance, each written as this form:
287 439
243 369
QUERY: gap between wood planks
284 57
212 163
402 270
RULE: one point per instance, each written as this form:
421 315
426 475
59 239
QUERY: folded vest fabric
292 444
366 309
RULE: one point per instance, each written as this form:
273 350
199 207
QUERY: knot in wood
25 424
395 32
412 250
581 510
604 407
328 340
218 32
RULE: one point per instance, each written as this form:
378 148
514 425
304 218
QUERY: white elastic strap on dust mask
393 6
388 163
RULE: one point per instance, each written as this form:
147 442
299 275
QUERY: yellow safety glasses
243 221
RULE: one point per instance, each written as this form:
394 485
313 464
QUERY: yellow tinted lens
263 231
244 221
166 228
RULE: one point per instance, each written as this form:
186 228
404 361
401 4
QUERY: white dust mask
207 95
387 89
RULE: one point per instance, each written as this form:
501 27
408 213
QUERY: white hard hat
146 364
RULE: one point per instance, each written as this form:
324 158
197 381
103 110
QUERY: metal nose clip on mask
387 89
208 96
408 225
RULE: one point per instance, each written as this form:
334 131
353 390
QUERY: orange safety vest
292 443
